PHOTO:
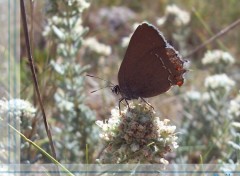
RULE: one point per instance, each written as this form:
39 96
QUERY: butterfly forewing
145 38
149 78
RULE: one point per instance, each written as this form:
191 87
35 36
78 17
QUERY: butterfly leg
119 102
127 103
147 103
124 104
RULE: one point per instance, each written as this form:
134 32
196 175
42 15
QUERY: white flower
175 145
99 48
115 113
228 58
62 103
99 123
161 21
134 26
79 28
46 31
163 161
82 4
17 107
170 129
217 56
180 17
164 127
166 121
58 67
66 105
193 95
219 81
109 126
125 41
3 107
104 136
234 108
56 19
236 124
234 145
205 96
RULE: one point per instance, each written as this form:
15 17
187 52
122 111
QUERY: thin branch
219 34
25 28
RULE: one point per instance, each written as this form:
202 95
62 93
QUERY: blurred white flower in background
161 21
176 15
216 57
206 96
236 124
219 81
192 95
234 107
78 27
125 41
19 111
99 48
163 161
17 107
56 26
82 4
55 20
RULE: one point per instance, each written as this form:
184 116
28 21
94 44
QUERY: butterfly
151 66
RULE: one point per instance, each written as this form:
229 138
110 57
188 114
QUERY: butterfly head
116 89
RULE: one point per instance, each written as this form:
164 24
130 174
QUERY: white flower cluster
136 136
234 107
219 81
236 124
99 48
62 103
82 4
166 132
192 95
52 22
216 57
109 126
60 68
55 22
180 17
195 96
16 108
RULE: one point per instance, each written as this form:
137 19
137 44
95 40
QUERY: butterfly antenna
100 89
102 80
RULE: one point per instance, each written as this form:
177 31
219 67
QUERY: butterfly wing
150 66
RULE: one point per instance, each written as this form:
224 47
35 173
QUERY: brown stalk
31 62
216 36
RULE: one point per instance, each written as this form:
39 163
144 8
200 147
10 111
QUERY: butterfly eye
116 90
